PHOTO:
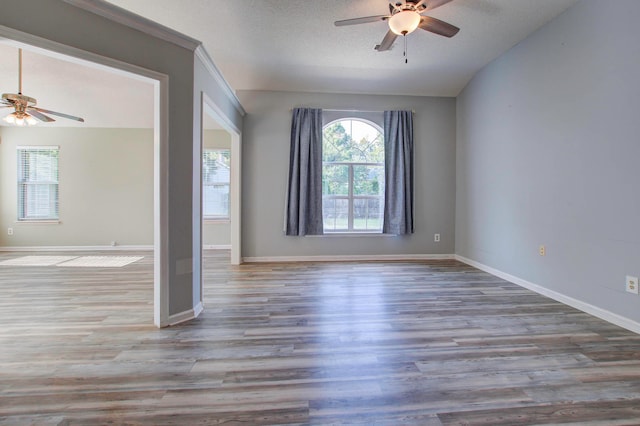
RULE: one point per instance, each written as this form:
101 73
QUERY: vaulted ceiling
290 45
294 44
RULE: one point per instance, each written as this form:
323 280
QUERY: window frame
350 197
211 217
22 184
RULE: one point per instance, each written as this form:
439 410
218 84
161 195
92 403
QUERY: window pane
216 200
38 183
352 175
368 180
335 214
216 166
352 140
335 179
367 146
336 143
367 214
216 175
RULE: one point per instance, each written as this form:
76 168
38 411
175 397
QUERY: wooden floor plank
431 343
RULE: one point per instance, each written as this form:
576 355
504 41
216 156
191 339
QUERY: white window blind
216 174
38 183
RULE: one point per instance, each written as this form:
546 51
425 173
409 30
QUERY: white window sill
214 220
40 221
352 234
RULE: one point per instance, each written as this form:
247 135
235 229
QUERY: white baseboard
78 248
559 297
186 315
101 248
217 247
347 258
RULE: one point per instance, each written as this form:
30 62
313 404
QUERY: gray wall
265 158
547 153
105 187
180 230
230 112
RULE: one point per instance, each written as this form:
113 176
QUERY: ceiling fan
24 107
404 18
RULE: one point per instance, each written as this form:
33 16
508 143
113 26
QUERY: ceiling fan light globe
30 120
405 22
11 118
20 121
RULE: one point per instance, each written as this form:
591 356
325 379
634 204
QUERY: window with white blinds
38 183
216 174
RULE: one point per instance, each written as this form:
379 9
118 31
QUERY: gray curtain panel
304 194
398 162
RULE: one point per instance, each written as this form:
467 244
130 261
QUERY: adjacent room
339 212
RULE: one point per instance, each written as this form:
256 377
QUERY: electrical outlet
9 231
542 250
632 284
436 238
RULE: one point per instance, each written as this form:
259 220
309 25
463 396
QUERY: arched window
352 176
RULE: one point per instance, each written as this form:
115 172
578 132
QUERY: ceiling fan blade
35 114
436 26
432 4
387 41
59 114
364 20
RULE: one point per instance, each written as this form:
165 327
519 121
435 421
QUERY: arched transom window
352 176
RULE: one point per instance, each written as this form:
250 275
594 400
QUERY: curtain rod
351 110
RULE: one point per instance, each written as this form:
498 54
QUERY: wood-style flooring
372 343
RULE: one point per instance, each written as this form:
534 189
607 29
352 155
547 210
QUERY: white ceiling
103 97
294 45
289 45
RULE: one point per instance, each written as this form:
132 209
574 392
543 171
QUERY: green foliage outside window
352 176
340 146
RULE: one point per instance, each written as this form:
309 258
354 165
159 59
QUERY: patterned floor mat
101 261
72 261
36 260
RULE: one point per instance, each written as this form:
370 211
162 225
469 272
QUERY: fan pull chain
405 49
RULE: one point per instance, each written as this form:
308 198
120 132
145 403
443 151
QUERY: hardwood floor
388 343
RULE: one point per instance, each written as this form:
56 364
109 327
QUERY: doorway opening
220 136
155 133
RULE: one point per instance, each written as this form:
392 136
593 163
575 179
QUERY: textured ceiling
285 45
103 97
294 45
